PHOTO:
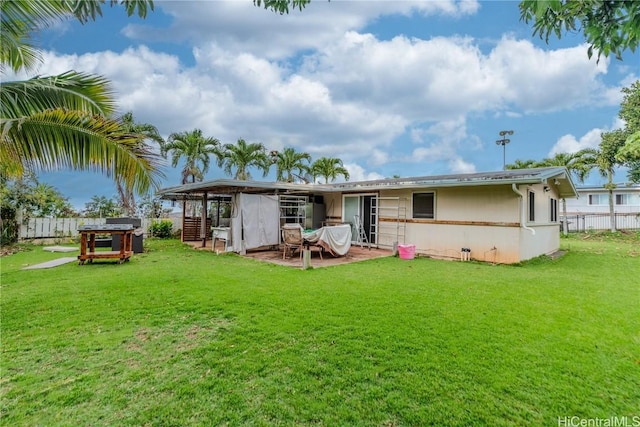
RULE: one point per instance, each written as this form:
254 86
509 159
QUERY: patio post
203 220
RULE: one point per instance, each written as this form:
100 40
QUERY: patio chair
292 239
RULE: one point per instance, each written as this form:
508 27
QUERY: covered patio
259 211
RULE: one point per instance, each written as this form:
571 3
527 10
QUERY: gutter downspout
523 210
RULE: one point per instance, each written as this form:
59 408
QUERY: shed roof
556 175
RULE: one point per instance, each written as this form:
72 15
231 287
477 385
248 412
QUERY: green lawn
184 337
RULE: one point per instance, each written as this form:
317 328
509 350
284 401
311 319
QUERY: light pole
504 141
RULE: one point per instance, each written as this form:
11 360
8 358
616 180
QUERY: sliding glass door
361 205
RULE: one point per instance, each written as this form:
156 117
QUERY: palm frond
59 138
71 90
19 19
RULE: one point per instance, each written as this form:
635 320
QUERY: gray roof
558 175
621 186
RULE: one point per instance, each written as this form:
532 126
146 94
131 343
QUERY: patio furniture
334 239
88 238
220 233
292 239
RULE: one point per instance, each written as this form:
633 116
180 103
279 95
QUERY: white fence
44 228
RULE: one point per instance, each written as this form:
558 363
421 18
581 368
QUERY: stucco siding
487 243
544 242
489 204
485 219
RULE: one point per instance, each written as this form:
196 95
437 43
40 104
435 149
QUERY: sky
393 88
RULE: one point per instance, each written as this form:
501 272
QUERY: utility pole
504 141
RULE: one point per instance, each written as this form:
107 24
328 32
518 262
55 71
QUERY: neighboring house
503 217
590 211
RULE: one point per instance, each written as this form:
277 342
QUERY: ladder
362 236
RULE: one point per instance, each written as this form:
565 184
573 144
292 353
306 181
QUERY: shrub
9 227
162 229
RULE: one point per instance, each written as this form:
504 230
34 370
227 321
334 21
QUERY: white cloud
458 165
350 94
358 173
591 139
239 26
444 142
378 157
571 144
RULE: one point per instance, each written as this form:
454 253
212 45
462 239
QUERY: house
502 217
590 211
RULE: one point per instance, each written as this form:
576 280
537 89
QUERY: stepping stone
52 263
59 249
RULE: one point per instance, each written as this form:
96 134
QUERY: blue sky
393 88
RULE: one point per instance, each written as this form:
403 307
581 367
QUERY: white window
532 206
553 215
622 199
598 199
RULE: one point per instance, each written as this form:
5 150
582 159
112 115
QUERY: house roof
623 186
557 176
219 187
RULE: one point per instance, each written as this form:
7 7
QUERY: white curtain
256 223
236 224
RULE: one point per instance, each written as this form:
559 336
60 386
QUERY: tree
20 19
150 207
49 203
34 198
282 6
620 147
101 207
579 164
629 154
329 168
144 132
242 156
62 121
522 164
288 162
610 27
195 149
610 145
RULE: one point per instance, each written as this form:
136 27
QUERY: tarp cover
260 220
336 239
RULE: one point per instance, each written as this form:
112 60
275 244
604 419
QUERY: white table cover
336 239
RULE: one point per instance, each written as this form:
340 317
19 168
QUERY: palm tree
579 164
522 164
290 160
62 121
196 151
144 131
329 168
241 157
610 145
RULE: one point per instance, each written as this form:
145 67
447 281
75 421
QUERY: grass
184 337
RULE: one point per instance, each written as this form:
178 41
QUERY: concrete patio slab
52 263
